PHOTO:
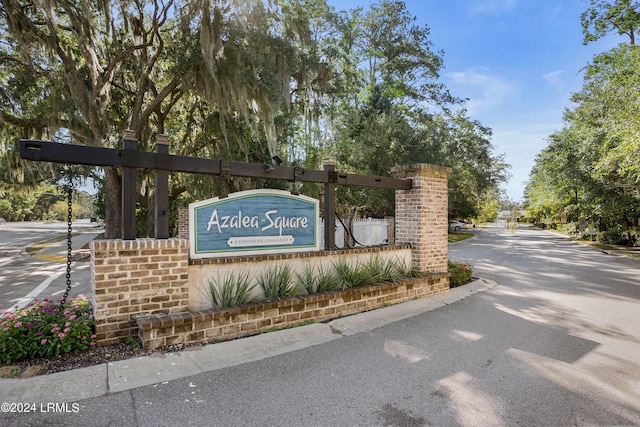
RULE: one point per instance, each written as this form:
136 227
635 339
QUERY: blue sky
518 62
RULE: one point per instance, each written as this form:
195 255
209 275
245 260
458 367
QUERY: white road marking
35 292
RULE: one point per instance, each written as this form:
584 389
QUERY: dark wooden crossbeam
129 159
56 152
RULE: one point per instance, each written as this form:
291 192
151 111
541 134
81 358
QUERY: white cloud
555 78
484 91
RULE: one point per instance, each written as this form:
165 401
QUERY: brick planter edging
215 325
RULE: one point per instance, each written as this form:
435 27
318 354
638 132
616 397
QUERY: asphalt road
555 343
24 277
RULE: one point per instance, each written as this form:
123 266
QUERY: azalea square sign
254 222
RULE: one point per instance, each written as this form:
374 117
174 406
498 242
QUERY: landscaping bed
214 325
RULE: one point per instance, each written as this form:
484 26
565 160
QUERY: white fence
366 232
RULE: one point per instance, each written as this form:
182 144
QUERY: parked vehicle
456 225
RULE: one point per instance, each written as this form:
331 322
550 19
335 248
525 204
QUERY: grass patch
599 245
630 251
10 371
457 237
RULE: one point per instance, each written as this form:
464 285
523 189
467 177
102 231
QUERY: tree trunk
113 204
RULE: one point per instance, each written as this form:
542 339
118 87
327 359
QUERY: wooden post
329 165
129 163
162 188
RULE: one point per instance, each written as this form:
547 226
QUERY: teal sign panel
253 222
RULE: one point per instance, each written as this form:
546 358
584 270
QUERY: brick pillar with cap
421 215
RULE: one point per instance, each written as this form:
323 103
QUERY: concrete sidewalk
113 377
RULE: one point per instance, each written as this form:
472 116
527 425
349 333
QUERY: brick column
134 277
183 223
421 215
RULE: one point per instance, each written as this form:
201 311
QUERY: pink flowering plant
45 329
461 273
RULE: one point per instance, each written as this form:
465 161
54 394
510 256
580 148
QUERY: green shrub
353 276
617 237
406 270
307 280
280 282
320 280
610 237
382 270
45 329
233 289
461 273
570 228
277 283
327 280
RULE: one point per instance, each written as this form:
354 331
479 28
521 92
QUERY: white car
456 225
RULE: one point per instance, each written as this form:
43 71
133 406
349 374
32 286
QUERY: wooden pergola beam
129 158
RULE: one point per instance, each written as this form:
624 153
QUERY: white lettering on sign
239 221
239 242
231 221
284 222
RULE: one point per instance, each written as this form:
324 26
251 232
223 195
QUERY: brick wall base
214 325
133 277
